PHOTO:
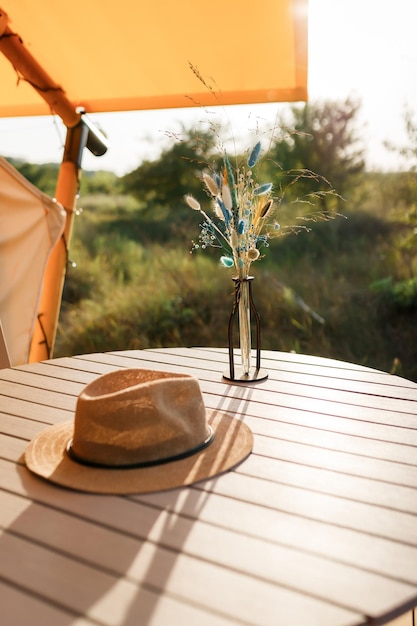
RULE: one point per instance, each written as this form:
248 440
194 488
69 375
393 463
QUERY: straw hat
137 431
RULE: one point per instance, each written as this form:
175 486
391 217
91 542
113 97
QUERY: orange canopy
130 55
98 55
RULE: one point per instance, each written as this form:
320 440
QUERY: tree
162 184
409 150
98 182
405 187
322 140
43 176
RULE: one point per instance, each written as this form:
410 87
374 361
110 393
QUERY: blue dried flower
226 213
254 155
226 261
262 189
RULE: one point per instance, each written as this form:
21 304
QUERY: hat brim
46 456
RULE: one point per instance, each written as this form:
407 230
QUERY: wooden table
317 527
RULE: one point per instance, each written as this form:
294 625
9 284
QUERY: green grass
346 290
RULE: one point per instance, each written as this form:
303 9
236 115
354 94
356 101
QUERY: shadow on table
114 559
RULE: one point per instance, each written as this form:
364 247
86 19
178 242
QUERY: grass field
346 290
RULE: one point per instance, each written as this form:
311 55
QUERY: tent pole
28 69
67 189
81 133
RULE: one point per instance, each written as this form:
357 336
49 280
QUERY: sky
364 49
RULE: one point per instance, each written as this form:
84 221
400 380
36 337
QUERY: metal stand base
254 375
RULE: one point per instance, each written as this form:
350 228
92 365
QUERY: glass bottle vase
244 310
244 314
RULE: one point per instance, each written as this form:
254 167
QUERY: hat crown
138 416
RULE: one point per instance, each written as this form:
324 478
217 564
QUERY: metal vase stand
237 373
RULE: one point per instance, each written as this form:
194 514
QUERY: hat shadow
182 508
91 554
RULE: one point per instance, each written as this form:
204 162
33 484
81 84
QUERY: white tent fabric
31 223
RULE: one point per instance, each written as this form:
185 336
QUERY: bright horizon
362 49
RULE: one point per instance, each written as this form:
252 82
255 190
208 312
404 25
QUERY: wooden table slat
85 542
317 526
